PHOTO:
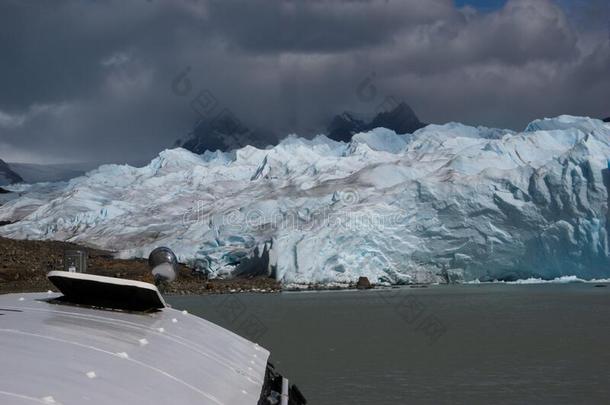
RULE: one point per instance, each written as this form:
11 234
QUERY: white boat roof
71 355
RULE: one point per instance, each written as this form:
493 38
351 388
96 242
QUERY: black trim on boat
272 389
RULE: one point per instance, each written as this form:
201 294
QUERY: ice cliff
446 203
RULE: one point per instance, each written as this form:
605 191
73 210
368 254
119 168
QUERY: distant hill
401 119
7 175
38 173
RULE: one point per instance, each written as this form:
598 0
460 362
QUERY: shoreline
180 287
25 263
247 286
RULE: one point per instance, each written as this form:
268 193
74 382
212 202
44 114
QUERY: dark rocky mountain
607 119
7 175
343 126
401 119
225 133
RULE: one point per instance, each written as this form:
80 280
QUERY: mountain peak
401 119
398 117
344 125
224 133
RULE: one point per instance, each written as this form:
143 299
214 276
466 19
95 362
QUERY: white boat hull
73 355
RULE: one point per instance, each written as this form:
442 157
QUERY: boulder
363 283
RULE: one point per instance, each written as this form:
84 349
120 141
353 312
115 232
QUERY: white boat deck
70 355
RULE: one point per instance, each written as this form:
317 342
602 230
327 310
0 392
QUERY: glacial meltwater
467 344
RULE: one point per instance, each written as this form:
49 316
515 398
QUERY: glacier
447 203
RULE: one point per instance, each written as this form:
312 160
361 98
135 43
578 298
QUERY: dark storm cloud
319 26
92 80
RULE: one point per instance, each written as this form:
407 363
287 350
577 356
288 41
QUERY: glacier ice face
449 202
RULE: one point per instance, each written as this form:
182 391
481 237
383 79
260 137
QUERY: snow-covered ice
557 280
449 202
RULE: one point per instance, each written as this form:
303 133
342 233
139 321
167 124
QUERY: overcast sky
100 80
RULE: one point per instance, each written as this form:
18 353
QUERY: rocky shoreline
25 263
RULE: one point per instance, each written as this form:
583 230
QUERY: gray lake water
470 344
